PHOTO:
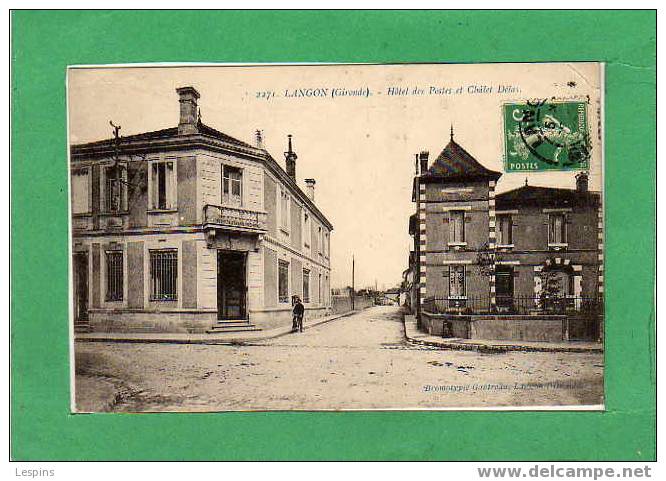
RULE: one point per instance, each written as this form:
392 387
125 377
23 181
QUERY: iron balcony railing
234 218
521 305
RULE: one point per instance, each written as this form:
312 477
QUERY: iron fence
519 305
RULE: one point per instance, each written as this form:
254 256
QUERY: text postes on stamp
546 135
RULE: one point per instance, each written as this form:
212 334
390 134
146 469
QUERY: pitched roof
455 163
545 196
105 146
169 133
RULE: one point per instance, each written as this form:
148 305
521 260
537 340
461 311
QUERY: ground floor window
283 281
327 290
306 286
163 274
114 276
457 281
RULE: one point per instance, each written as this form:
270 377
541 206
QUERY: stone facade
178 229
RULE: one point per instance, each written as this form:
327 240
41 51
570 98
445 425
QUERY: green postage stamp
542 135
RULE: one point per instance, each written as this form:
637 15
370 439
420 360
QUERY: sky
359 149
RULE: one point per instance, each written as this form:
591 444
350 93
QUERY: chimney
581 182
423 160
309 190
259 139
188 123
290 157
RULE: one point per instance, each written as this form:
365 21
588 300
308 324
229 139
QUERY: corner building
188 229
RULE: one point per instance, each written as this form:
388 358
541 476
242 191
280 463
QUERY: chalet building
476 251
187 229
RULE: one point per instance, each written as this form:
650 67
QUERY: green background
44 43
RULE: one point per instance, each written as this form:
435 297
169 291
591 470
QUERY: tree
550 298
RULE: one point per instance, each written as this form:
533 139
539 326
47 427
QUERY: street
358 362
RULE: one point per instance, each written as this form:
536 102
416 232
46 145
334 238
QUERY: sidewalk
415 336
188 338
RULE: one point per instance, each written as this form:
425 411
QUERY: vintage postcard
336 237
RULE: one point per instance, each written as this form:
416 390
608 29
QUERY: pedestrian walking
299 311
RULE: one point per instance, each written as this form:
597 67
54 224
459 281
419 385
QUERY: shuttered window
306 286
163 185
113 189
504 234
557 233
456 226
284 210
114 276
232 186
163 274
457 281
307 231
283 281
80 191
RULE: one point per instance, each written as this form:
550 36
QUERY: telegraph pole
353 293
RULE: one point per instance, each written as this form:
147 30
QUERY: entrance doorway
80 282
504 288
231 285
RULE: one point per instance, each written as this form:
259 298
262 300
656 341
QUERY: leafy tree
550 297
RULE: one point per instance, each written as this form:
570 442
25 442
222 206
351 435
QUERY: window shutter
123 190
171 185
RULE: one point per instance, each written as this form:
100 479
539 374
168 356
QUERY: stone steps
80 327
231 326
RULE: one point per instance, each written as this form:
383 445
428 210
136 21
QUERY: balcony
234 219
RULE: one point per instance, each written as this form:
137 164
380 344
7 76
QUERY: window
327 290
232 186
307 232
457 281
114 189
504 234
456 227
319 290
163 274
326 244
284 210
320 240
283 281
306 286
163 185
80 191
114 276
557 233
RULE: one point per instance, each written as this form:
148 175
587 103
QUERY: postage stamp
546 134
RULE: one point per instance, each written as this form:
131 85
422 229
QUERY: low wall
496 327
342 304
